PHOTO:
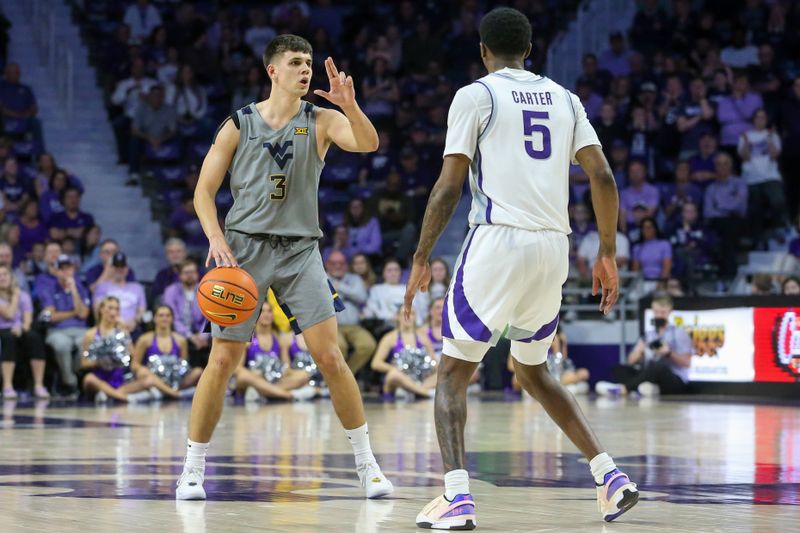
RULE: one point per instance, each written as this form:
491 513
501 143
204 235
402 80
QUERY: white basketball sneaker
304 394
190 485
372 479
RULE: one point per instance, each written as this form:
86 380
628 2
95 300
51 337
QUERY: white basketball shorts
507 281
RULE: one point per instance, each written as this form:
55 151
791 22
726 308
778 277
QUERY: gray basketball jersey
275 176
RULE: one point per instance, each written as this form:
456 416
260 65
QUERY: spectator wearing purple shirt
104 270
181 297
794 244
67 303
130 294
363 230
599 79
653 255
72 222
185 225
691 242
735 111
14 186
17 337
48 278
175 253
581 225
725 208
695 118
31 228
592 102
701 165
50 200
18 105
638 192
682 192
339 243
615 59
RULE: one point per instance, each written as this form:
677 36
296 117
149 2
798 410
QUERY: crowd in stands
697 108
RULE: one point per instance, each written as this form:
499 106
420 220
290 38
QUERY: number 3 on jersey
528 118
279 180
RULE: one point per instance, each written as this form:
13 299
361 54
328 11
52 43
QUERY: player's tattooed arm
442 203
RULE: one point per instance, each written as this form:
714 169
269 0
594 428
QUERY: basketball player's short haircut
506 32
285 43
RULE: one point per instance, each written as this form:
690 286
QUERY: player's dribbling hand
418 280
220 252
605 277
342 92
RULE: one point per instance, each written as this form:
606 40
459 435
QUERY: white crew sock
196 455
359 440
601 465
456 482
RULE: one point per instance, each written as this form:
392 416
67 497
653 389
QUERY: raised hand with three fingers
342 93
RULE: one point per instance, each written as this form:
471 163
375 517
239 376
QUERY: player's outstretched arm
212 173
605 201
441 205
351 131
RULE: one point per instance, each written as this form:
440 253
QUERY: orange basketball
227 296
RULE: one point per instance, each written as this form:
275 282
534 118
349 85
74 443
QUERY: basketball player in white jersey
515 133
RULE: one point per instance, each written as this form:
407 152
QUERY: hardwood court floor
288 468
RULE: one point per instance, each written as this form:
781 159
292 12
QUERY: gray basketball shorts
295 273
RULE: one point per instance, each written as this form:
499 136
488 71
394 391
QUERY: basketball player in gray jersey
275 151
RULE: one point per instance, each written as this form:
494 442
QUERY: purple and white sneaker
456 515
616 495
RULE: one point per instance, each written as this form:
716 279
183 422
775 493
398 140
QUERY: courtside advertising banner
777 344
722 342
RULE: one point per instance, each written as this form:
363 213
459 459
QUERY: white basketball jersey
520 131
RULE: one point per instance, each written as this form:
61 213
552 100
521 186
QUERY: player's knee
225 358
330 362
582 374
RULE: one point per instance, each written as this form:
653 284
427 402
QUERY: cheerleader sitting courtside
268 350
164 341
123 381
403 337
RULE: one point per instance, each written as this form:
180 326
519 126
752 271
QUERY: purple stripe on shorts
465 315
544 331
446 331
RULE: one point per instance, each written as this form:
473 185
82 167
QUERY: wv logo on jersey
280 152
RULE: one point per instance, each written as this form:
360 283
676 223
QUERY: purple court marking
31 422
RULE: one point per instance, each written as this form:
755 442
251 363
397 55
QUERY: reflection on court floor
117 464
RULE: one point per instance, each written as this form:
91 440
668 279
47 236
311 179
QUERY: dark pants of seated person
766 208
730 230
29 343
135 153
657 372
122 132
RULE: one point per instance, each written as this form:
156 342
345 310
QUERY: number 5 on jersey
530 127
279 181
